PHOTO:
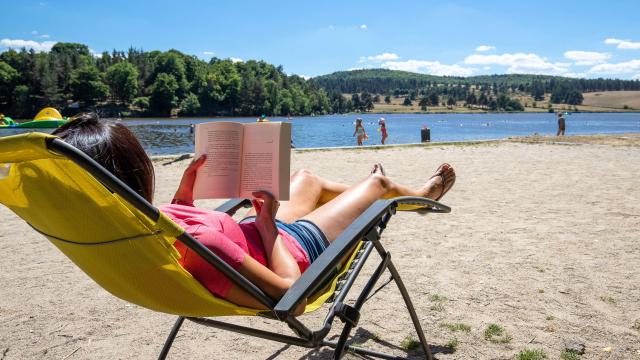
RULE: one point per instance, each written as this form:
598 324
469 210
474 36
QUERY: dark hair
113 146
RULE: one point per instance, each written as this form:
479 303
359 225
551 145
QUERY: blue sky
571 38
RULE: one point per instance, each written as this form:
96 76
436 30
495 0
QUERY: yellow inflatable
48 113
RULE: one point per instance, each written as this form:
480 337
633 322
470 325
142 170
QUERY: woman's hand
185 189
266 207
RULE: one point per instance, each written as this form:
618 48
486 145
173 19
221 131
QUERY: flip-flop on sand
447 182
378 166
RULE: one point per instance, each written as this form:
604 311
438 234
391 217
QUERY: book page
219 177
266 159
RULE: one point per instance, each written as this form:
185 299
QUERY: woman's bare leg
307 192
333 217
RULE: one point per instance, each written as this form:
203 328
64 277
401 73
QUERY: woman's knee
302 175
381 181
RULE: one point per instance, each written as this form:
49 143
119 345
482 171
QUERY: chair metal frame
368 228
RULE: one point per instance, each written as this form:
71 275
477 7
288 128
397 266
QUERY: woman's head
114 147
358 121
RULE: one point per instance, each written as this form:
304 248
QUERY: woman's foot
440 183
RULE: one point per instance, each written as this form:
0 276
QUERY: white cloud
27 44
623 44
486 68
235 59
363 26
306 77
626 67
210 53
587 57
429 67
45 36
379 58
635 77
330 27
485 48
34 32
520 63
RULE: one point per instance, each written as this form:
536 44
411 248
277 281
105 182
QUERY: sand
543 241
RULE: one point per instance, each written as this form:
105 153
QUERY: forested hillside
156 83
563 90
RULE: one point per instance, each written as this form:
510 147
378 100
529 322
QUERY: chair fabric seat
123 250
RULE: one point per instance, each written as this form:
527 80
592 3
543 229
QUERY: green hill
383 81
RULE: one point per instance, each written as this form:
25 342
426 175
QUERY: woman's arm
279 258
184 194
283 269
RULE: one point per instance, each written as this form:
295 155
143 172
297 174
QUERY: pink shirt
227 239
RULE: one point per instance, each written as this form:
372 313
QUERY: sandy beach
543 240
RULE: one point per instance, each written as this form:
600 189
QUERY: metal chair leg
172 336
412 310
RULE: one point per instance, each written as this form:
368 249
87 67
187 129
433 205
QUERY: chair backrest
123 250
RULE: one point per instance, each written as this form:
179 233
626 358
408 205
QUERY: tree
142 103
190 105
86 85
407 101
8 77
434 99
163 94
451 101
123 81
424 101
366 101
355 101
471 99
387 99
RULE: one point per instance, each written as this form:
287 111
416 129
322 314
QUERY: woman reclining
276 242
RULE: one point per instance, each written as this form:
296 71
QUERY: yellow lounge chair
125 244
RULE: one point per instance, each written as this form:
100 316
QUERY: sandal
447 183
378 166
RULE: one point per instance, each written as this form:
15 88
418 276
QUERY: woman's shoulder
180 213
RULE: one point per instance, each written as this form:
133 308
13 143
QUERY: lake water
172 136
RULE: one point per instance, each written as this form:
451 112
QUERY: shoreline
578 139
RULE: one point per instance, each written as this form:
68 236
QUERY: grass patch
456 327
541 291
540 269
453 344
409 343
531 355
636 325
608 299
437 298
551 317
496 334
438 302
569 355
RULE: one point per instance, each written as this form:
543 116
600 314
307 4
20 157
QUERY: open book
242 158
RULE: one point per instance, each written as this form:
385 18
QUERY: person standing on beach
383 129
561 125
359 132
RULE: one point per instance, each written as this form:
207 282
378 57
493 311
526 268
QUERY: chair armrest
232 205
420 205
322 268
